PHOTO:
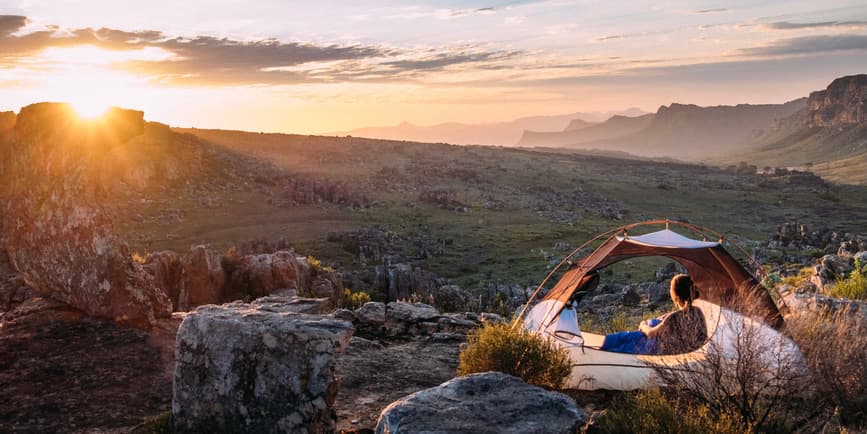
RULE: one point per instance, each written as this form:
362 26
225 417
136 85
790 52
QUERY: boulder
490 402
829 269
259 367
449 298
167 270
404 318
203 279
259 275
371 318
314 306
328 285
630 297
801 303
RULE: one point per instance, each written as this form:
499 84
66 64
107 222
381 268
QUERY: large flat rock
490 402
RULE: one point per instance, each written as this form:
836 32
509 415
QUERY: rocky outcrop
843 103
201 276
166 267
793 236
490 402
59 239
203 279
801 303
13 289
829 269
401 319
255 276
7 121
258 367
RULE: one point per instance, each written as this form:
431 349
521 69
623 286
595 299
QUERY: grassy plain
508 207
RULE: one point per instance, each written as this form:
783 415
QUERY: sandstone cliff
844 102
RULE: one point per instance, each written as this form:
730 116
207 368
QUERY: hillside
499 133
481 214
828 136
681 131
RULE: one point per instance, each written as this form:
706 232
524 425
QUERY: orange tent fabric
718 277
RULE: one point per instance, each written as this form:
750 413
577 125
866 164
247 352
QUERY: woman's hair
682 291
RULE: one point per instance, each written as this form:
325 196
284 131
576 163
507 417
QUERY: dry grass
651 412
854 286
755 378
834 345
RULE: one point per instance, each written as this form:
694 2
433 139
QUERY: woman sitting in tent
681 331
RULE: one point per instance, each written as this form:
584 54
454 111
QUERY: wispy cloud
786 25
710 11
808 45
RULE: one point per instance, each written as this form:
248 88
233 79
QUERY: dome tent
727 294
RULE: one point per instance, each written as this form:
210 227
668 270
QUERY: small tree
515 351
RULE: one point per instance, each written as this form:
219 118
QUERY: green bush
853 287
651 412
354 300
515 351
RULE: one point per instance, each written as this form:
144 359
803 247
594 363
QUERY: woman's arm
653 331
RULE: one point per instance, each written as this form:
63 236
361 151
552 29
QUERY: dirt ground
61 372
374 374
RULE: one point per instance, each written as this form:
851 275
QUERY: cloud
442 14
710 11
11 23
442 60
212 60
785 25
610 37
808 45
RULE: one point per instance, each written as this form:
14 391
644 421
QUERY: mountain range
825 132
499 133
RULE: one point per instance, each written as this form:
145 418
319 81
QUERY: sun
90 109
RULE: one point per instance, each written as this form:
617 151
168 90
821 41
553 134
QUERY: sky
325 66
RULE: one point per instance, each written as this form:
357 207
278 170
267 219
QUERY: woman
678 332
683 330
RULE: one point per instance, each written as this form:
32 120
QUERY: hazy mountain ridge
615 126
681 131
499 133
828 136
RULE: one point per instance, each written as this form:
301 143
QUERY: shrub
141 258
853 287
354 300
651 412
516 351
317 265
798 280
834 345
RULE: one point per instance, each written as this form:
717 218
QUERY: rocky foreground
56 360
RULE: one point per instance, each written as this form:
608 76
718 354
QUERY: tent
729 297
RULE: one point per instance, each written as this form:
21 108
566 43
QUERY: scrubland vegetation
514 350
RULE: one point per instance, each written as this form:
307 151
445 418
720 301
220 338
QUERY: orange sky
314 67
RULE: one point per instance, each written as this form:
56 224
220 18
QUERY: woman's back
682 332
